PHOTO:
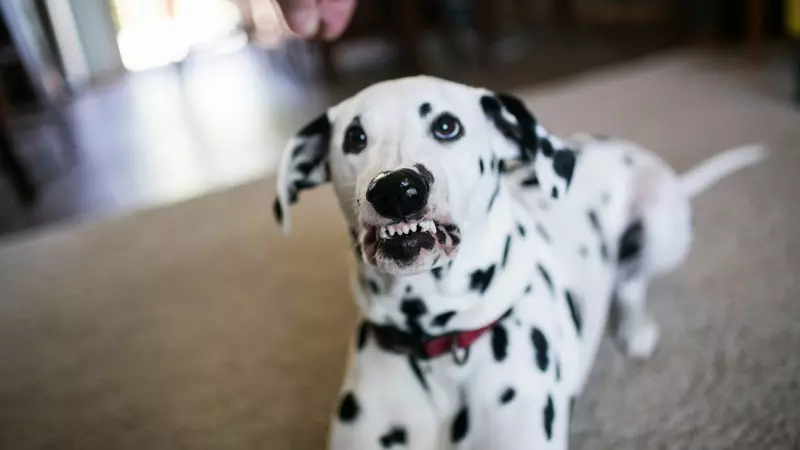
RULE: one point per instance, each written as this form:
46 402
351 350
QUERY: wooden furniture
401 20
26 49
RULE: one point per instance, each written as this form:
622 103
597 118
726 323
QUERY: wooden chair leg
408 30
329 69
563 11
20 179
754 12
486 22
10 164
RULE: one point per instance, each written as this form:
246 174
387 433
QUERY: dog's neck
474 289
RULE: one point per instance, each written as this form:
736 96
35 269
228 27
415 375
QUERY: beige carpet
198 327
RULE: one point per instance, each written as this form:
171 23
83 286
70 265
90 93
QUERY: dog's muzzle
402 236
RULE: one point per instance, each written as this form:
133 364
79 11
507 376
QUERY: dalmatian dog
489 254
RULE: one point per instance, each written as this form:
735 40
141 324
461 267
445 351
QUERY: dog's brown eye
446 128
355 139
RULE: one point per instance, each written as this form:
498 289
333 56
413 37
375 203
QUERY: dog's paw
639 341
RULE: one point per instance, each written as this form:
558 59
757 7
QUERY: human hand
325 18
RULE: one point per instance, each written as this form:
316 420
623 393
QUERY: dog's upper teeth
414 227
391 230
384 232
405 229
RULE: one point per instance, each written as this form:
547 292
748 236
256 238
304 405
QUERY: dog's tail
710 171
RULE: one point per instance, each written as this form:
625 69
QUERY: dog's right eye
355 139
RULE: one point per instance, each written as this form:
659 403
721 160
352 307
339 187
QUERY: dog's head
413 162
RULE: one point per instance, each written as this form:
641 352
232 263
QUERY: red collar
456 343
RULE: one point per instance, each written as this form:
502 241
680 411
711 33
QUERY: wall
98 37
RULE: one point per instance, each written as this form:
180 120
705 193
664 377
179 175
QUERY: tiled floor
174 133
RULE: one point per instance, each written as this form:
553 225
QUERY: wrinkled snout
404 225
398 195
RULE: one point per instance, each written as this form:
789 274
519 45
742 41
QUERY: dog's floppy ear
304 165
516 125
523 139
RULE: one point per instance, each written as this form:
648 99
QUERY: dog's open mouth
409 246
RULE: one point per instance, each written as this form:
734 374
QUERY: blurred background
174 316
108 106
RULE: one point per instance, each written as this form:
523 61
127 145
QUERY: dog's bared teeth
391 230
426 225
384 232
406 228
414 227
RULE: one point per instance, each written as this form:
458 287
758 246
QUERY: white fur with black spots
467 214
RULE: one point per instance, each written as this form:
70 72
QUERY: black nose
399 194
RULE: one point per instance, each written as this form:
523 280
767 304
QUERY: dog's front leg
385 403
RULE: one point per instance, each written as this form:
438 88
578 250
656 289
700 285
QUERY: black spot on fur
630 244
494 195
571 406
277 211
564 164
460 426
320 125
499 343
361 337
424 109
506 249
531 181
542 232
442 319
554 192
437 273
521 229
306 167
501 166
546 146
298 150
492 163
425 173
574 311
594 220
628 160
541 348
481 279
413 309
583 251
546 277
348 408
507 395
549 414
408 289
373 286
414 364
441 236
558 371
604 251
480 165
528 289
397 435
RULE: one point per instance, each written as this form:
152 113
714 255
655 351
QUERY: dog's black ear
524 139
304 165
514 122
